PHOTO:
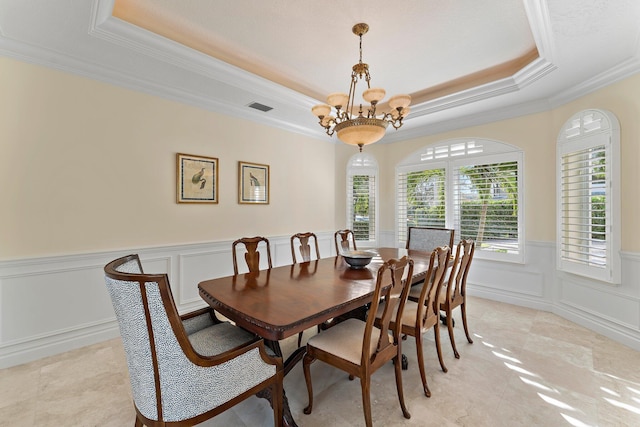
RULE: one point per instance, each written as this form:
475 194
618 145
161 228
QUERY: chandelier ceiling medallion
353 125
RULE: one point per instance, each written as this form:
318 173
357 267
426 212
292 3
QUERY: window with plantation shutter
423 194
472 186
362 172
486 204
588 196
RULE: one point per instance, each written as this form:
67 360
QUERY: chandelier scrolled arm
355 125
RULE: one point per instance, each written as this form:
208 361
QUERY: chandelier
356 126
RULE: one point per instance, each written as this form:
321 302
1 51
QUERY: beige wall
86 166
74 152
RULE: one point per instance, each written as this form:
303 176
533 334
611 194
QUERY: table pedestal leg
291 361
287 418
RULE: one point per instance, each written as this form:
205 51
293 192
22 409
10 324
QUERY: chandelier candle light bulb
355 125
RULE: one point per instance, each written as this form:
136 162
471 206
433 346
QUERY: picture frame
253 183
197 178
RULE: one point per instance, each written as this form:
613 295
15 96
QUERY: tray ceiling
464 62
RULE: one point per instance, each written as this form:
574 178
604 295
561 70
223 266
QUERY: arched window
471 185
362 195
588 162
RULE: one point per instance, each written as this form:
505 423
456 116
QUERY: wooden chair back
454 295
394 300
304 247
428 302
344 239
252 254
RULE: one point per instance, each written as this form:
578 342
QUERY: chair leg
463 309
423 374
138 423
436 331
306 362
299 339
396 363
366 400
277 393
451 337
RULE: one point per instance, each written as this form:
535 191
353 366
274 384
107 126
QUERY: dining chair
304 247
359 347
184 369
305 254
421 315
428 238
344 239
252 254
455 295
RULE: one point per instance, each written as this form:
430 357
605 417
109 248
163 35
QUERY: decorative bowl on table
358 259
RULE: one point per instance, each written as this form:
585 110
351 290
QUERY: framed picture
253 183
197 179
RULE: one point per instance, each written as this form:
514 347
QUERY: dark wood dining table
280 302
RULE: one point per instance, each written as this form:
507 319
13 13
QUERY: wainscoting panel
50 305
198 266
38 302
54 304
600 300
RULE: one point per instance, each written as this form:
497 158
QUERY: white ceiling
288 54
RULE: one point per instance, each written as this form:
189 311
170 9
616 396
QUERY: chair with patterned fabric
184 369
252 256
428 238
360 348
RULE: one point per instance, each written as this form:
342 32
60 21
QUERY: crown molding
624 70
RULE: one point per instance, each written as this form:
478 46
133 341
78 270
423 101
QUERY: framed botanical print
197 179
253 183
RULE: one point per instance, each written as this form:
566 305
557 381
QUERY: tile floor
525 368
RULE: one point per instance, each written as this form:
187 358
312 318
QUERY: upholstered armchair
184 369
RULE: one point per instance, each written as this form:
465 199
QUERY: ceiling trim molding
471 120
540 24
625 69
116 31
526 76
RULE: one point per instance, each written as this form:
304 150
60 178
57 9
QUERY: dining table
280 302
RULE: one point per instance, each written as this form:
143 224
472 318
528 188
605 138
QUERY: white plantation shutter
588 201
486 205
472 186
421 199
362 174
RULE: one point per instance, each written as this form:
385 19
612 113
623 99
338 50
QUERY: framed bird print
253 183
197 179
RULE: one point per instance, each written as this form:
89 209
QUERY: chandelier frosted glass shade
353 123
361 131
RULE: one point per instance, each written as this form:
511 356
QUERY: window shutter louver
486 205
588 198
472 186
362 172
